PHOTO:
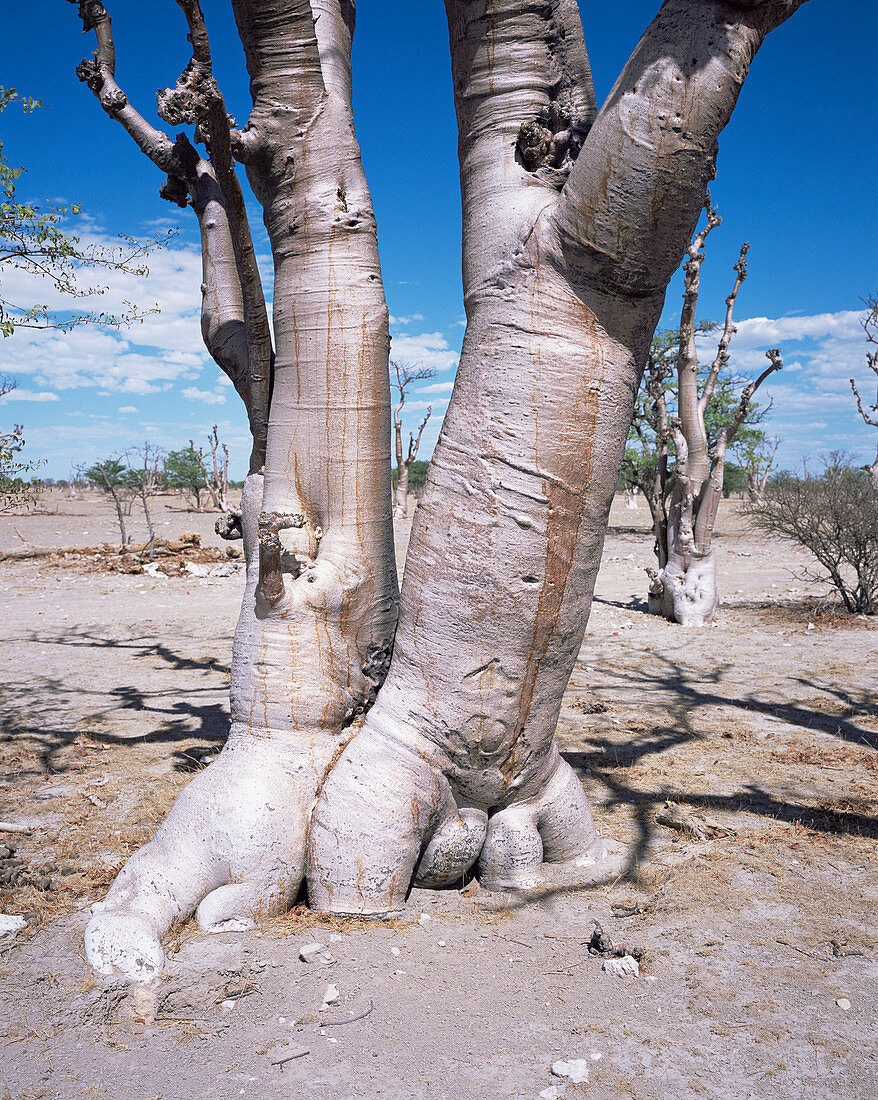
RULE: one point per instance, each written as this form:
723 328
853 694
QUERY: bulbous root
233 846
387 817
378 805
554 826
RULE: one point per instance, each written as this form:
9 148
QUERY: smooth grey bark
684 587
573 223
316 625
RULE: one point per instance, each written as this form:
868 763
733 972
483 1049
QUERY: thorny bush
835 517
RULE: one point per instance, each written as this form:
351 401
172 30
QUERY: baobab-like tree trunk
684 587
573 222
572 228
319 609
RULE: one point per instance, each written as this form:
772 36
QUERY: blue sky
794 174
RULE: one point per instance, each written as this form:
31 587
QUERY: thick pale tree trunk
567 254
316 626
573 223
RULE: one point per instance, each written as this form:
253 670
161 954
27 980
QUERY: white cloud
27 395
426 349
406 320
436 387
421 406
208 397
128 409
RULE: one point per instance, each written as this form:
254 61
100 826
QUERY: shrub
835 517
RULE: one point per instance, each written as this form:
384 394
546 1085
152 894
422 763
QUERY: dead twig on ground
352 1020
290 1057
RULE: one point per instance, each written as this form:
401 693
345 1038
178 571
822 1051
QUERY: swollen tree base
685 592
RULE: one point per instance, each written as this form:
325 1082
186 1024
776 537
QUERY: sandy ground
759 975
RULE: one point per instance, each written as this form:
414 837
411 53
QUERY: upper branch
776 363
729 330
635 191
870 327
198 92
99 73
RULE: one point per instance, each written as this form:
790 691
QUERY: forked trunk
572 228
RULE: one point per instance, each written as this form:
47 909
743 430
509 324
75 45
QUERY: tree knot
547 146
89 72
190 100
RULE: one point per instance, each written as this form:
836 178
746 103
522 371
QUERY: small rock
626 967
330 996
228 1006
315 953
552 1092
575 1070
844 1004
335 937
9 925
395 952
424 918
440 943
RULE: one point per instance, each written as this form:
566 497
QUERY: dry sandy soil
759 975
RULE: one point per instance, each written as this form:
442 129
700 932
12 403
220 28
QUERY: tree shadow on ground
683 700
44 716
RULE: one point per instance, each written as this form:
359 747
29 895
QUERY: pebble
440 943
330 996
626 967
315 952
395 952
228 1006
575 1070
552 1092
844 1004
424 918
9 925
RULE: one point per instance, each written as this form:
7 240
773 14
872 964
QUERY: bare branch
728 332
99 73
870 327
776 363
634 195
415 441
208 103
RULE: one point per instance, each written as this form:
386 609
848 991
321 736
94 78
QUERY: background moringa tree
707 420
405 375
870 326
588 212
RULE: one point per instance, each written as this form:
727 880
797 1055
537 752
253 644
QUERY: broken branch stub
270 525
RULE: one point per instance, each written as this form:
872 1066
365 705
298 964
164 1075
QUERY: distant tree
15 488
31 239
835 517
405 375
184 470
870 325
685 422
757 456
111 476
143 478
215 473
